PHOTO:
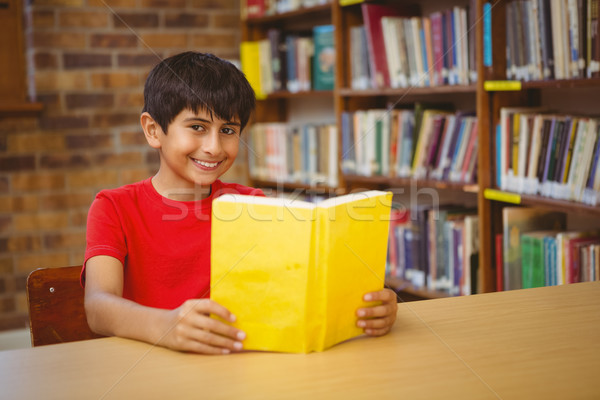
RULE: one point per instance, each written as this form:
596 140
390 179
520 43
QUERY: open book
293 272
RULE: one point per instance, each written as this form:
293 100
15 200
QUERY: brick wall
88 62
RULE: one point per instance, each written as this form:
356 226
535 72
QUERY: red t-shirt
164 245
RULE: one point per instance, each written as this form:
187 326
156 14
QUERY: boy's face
197 150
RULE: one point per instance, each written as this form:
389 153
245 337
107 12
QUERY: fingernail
361 313
232 317
362 324
225 351
237 345
241 335
368 297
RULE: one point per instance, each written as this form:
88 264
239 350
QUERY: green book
324 58
533 260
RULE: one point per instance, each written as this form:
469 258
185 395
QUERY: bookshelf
490 57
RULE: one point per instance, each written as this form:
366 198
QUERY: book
324 57
293 272
517 221
250 59
372 14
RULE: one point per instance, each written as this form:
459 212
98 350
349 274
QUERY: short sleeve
104 233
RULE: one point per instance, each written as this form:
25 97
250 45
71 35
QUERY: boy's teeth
206 164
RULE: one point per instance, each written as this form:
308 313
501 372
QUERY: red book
372 14
471 152
255 8
574 258
499 262
437 39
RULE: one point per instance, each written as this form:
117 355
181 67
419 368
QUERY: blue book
498 155
348 153
549 150
324 57
292 74
547 262
461 137
424 54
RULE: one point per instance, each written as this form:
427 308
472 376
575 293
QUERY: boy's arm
187 328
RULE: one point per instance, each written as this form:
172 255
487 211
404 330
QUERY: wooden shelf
303 94
558 205
563 84
392 182
20 109
289 186
401 286
320 10
411 91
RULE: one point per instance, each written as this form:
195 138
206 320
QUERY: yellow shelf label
502 86
498 195
350 2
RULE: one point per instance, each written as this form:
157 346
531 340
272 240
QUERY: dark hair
197 81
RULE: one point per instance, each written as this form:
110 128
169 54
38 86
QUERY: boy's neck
195 193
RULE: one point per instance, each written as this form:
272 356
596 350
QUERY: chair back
56 310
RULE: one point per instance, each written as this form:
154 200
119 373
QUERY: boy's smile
195 152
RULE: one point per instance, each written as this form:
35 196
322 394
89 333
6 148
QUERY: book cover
533 260
249 58
294 272
517 221
324 58
372 14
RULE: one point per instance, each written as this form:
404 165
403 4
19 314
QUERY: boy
147 261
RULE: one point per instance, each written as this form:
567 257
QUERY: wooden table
528 344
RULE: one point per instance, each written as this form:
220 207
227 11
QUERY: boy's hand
190 328
378 320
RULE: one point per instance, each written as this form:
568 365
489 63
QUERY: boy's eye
228 131
196 127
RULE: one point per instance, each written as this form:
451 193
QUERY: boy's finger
207 306
380 295
376 311
376 323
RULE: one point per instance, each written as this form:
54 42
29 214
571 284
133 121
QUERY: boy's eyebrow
208 121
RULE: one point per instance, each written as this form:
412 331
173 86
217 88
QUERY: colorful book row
435 248
397 48
549 154
552 39
292 62
535 249
421 143
305 154
262 8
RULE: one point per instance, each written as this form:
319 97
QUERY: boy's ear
152 130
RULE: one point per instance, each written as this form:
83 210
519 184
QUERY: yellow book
293 272
250 60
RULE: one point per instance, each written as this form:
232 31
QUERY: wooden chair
56 311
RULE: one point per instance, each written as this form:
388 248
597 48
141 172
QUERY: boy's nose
211 143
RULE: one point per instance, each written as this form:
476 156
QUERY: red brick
38 181
7 304
66 201
152 157
22 124
29 262
216 4
163 4
64 160
132 138
8 322
45 61
4 184
115 80
20 244
165 40
78 218
89 100
49 80
110 40
56 40
5 223
126 100
43 19
138 60
64 122
17 163
86 60
35 142
89 141
118 159
95 178
215 40
186 20
6 265
135 20
83 19
225 20
133 175
16 203
112 3
110 120
36 222
65 240
51 101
